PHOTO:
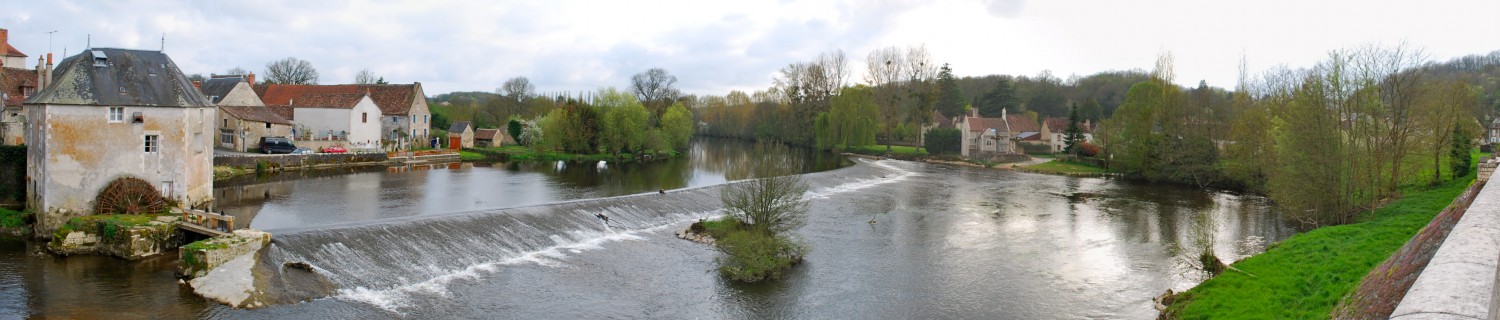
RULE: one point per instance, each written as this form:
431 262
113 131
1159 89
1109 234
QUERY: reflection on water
320 198
890 240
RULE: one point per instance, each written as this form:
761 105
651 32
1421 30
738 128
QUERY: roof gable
12 81
458 127
217 88
486 134
120 77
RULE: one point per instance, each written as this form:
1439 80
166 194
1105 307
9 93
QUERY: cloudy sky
717 46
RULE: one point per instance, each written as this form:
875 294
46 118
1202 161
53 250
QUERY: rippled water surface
889 239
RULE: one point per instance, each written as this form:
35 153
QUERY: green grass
466 155
1307 275
13 219
1065 167
880 150
105 225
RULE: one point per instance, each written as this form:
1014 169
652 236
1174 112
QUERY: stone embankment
221 269
1460 280
124 238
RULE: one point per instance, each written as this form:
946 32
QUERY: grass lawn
466 155
1307 275
519 153
1065 167
880 150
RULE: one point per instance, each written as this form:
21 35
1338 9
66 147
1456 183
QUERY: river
889 239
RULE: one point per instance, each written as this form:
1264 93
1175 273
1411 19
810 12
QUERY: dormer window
100 60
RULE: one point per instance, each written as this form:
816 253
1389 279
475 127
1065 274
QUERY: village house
1054 132
403 118
460 135
485 138
16 84
994 136
242 119
346 118
116 114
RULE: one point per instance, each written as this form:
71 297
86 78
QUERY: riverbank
1306 275
1066 168
518 153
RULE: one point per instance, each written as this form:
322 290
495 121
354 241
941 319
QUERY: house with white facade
114 114
992 136
350 118
1055 129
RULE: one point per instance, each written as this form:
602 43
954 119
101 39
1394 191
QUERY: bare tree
365 76
516 88
773 202
236 71
654 88
291 71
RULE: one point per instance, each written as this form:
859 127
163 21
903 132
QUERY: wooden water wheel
129 196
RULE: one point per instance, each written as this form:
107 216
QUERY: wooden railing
208 223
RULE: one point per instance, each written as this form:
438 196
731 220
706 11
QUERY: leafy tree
291 71
677 126
941 141
1459 157
1002 96
854 117
625 119
513 127
950 97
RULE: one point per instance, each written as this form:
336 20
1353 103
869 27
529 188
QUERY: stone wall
198 258
291 161
1460 279
127 242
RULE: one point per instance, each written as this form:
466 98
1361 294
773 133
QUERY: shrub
752 256
943 141
13 219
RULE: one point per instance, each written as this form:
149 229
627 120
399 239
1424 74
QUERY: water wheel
129 196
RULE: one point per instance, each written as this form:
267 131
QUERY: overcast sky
717 46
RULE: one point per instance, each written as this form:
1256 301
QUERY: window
424 132
364 117
226 123
153 143
116 114
226 136
198 142
26 92
268 125
395 120
426 118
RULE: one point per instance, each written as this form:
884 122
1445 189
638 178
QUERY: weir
374 261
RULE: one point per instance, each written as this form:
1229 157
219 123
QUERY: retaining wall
288 161
1460 280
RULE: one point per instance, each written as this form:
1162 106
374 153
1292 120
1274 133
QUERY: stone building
460 135
116 113
242 119
404 117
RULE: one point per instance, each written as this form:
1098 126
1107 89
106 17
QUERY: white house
404 116
112 114
352 118
984 136
1054 131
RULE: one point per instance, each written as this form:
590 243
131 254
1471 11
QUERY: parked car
302 151
335 149
273 145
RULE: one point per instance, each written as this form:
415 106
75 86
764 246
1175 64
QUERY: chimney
251 78
48 74
1002 114
197 84
973 112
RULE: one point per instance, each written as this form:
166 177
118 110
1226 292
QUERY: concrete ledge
298 160
1460 281
198 258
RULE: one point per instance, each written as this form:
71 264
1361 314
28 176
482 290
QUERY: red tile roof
328 100
11 51
1059 124
392 99
254 113
1021 123
977 124
12 81
285 111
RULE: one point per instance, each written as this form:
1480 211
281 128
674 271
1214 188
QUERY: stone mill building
112 114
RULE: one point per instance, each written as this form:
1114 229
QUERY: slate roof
255 113
327 100
392 99
127 78
219 87
458 127
486 134
11 82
